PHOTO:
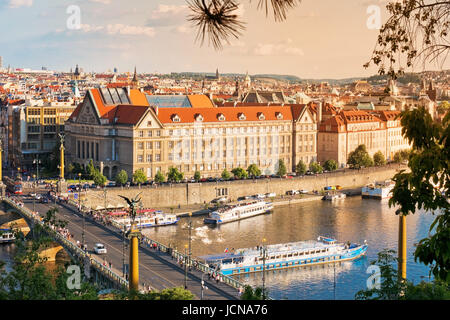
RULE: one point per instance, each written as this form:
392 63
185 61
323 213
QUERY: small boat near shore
378 190
333 195
241 210
287 255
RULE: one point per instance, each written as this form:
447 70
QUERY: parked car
86 186
338 187
271 195
292 192
304 191
220 200
44 200
259 196
99 248
111 184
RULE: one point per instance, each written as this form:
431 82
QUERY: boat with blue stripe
238 211
287 255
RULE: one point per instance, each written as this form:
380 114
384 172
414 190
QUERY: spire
134 81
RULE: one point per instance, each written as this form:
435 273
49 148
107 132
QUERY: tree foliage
226 175
416 31
197 175
159 177
300 168
139 177
239 173
122 177
252 294
218 20
359 158
253 170
426 185
99 178
315 167
282 171
330 165
391 288
174 175
379 159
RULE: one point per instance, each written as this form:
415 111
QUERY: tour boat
334 196
239 211
287 255
378 190
147 221
6 236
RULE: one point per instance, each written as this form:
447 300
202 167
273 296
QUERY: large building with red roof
122 128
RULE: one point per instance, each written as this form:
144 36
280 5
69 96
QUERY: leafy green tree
176 293
253 170
391 288
281 168
159 177
315 167
226 175
378 159
300 168
252 294
174 175
139 177
122 177
239 173
359 158
427 185
29 279
401 156
197 176
99 178
443 107
91 171
330 165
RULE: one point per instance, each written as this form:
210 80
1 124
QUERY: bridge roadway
156 269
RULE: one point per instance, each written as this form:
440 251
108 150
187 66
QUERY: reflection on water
352 219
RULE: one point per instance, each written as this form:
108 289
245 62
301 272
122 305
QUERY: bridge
158 264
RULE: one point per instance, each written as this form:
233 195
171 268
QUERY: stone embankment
191 196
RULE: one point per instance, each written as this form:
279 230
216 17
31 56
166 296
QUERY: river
352 219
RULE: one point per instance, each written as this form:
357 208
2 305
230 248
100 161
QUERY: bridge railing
177 255
70 245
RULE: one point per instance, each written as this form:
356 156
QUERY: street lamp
185 266
264 253
37 162
34 198
18 172
79 204
190 239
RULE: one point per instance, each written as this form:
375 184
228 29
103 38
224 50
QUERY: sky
319 39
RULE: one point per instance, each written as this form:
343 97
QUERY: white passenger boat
241 210
334 196
378 190
6 236
147 221
287 255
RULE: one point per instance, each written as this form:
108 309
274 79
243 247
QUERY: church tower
135 81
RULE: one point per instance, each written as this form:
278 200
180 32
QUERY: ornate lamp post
264 254
61 148
190 240
134 235
34 198
37 162
185 266
79 206
1 158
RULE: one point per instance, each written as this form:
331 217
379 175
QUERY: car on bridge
99 248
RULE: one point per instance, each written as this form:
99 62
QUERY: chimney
319 113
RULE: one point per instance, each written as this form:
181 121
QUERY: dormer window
175 118
220 117
198 117
242 116
279 115
261 116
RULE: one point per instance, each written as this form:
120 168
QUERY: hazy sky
320 39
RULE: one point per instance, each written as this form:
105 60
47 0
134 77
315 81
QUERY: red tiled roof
231 114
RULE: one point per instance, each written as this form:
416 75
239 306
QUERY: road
156 269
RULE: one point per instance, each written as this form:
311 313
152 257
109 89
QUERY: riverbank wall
189 194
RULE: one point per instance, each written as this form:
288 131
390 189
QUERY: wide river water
352 219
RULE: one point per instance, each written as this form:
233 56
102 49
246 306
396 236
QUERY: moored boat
241 210
287 255
147 221
334 196
378 190
6 236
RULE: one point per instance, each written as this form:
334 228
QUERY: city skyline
318 40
